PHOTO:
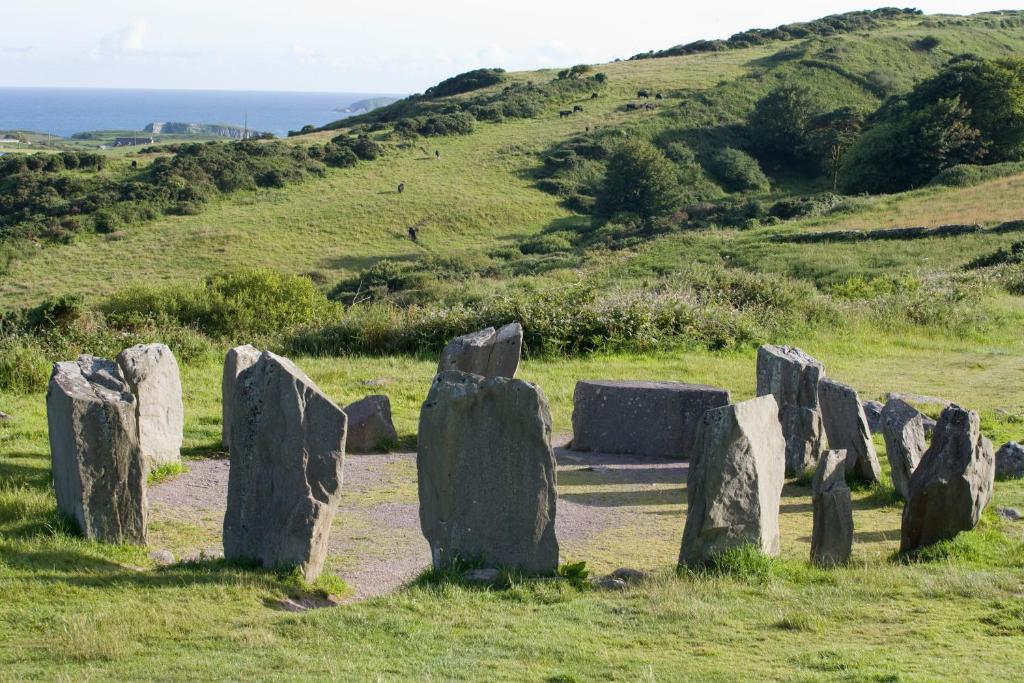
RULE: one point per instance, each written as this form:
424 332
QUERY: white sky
393 46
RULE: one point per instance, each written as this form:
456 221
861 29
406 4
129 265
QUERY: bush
639 179
779 123
363 147
24 365
546 244
964 175
466 82
339 157
737 171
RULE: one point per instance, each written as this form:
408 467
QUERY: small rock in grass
611 583
487 575
162 557
1010 461
628 575
1012 514
4 417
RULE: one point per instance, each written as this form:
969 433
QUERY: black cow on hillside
401 188
564 113
643 94
578 107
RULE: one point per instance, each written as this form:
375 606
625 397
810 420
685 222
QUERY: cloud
127 40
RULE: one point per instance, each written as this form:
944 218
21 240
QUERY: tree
639 179
779 123
830 136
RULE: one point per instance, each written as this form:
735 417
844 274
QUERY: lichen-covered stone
487 352
832 534
792 377
151 372
236 362
847 429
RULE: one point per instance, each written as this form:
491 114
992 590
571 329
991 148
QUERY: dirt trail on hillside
376 545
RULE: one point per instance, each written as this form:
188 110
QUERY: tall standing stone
151 372
903 430
236 362
847 429
735 482
832 535
287 450
952 484
792 377
654 419
487 473
99 475
488 353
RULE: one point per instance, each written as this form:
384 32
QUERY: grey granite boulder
151 372
847 429
236 362
735 482
652 419
952 484
832 535
99 474
369 425
792 377
1010 461
487 474
488 352
287 450
903 430
873 413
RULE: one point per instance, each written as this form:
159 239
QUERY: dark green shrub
466 82
339 157
639 179
546 244
736 171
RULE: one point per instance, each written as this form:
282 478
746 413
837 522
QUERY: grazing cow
401 188
413 233
564 113
642 94
437 153
593 96
658 96
578 107
631 106
135 164
648 106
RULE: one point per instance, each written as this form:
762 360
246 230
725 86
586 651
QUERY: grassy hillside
506 233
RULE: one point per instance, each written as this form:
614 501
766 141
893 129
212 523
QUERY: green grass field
75 610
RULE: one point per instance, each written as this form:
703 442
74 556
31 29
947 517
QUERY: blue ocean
65 111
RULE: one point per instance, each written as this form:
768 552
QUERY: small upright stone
99 474
952 484
655 419
847 429
903 429
369 425
792 377
236 362
1010 461
873 412
486 474
287 450
832 536
735 482
152 374
487 353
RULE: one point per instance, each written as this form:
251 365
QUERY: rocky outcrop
952 484
236 362
903 430
488 352
487 474
287 449
99 474
651 419
151 372
832 534
847 429
735 482
792 377
369 425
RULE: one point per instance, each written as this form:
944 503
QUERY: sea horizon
66 111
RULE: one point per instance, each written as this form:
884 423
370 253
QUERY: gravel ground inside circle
376 545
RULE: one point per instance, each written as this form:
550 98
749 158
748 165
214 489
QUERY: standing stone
792 377
847 429
1010 461
952 484
903 429
287 449
873 413
99 474
487 474
651 419
487 353
369 425
236 362
152 374
735 482
832 536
